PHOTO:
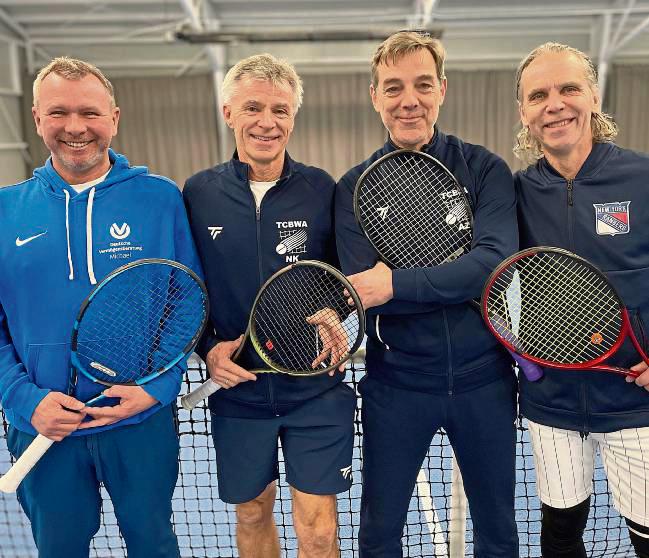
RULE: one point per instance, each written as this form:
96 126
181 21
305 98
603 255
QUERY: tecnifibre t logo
120 232
215 231
346 472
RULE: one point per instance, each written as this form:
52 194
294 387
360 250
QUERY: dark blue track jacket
428 338
603 216
239 247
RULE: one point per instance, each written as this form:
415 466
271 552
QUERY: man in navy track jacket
583 193
430 361
251 216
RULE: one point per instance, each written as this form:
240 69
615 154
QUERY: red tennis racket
557 309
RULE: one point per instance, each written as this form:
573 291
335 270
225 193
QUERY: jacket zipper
271 398
570 185
449 353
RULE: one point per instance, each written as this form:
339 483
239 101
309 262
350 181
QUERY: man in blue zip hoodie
583 193
83 214
242 214
430 361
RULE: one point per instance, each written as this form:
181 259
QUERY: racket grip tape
193 398
532 371
14 476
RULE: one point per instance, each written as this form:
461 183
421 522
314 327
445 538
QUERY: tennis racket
137 323
557 309
415 214
413 211
300 319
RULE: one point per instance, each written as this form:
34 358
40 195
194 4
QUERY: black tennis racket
557 309
415 214
301 324
413 211
136 324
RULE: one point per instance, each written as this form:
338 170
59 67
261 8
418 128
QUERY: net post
457 520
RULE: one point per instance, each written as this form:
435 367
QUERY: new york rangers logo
612 218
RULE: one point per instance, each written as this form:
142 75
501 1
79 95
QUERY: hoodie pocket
48 365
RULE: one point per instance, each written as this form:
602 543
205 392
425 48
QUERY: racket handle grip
193 398
532 371
14 476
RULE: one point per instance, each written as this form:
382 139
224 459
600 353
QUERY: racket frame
594 364
189 347
360 182
258 346
209 386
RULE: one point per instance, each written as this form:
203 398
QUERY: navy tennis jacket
240 247
429 338
603 216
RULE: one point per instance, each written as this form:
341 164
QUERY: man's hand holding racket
58 415
221 366
335 341
643 379
132 400
374 286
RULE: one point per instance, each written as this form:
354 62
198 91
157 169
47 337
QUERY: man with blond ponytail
583 193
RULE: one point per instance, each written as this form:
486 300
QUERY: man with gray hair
240 212
63 220
431 363
583 193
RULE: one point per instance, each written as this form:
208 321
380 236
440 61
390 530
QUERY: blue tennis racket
139 322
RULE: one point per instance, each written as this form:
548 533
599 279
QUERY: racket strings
555 308
281 331
414 211
413 182
138 322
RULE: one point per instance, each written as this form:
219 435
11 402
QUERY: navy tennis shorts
317 440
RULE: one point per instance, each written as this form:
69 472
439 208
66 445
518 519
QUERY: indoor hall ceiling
138 36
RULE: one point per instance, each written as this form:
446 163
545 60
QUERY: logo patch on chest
292 239
612 218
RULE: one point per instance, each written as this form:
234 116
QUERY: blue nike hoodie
55 245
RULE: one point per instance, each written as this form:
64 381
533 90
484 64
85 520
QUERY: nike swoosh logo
20 242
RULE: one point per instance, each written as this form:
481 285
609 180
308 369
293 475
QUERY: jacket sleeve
17 392
495 238
356 254
166 387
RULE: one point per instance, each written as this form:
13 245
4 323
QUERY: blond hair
528 148
73 69
403 43
267 68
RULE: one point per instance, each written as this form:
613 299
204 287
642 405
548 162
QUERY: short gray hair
267 68
528 148
72 69
403 43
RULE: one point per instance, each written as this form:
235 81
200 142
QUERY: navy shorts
317 442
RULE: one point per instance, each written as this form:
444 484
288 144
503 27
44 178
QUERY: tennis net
436 524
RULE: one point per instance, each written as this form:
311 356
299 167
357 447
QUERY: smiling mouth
263 138
76 144
559 123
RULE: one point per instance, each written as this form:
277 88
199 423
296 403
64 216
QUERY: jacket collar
242 170
597 158
435 142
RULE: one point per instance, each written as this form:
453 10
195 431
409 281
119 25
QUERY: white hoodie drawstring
67 233
91 271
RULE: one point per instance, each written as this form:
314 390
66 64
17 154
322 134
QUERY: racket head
138 322
554 308
413 211
279 330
